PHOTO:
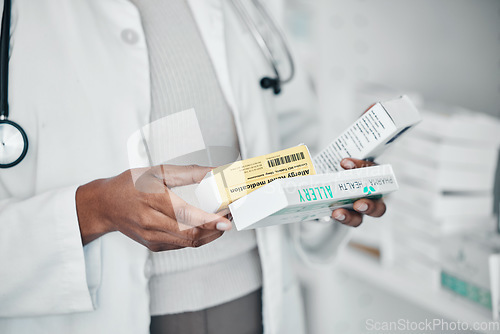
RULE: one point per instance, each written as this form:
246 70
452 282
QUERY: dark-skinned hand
147 210
370 207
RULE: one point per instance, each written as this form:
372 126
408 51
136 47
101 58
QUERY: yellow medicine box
226 184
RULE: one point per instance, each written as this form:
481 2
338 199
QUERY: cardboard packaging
370 135
447 177
467 267
310 197
226 184
465 155
460 126
442 205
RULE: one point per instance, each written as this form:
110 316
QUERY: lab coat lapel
209 16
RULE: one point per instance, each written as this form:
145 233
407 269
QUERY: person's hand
148 211
374 208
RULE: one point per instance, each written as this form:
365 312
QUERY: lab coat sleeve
44 269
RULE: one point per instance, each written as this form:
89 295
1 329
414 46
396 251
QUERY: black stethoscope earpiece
267 83
13 139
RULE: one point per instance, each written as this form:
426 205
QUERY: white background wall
448 50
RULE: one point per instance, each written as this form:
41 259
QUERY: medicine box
370 135
228 183
310 197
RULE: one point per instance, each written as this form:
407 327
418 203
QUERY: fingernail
348 164
223 226
340 217
361 207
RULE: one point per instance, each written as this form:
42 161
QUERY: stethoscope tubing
271 22
4 59
261 42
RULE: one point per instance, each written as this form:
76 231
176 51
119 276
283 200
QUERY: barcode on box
286 159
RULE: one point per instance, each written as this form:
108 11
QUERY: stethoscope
267 82
13 139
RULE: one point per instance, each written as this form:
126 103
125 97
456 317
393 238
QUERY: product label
242 177
331 196
316 193
313 197
358 141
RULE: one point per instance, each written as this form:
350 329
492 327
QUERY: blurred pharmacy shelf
403 283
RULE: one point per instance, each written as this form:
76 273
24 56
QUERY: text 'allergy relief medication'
226 184
370 135
310 197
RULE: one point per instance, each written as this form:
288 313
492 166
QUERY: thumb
350 163
175 176
191 216
220 224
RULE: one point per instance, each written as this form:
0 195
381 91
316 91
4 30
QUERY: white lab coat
80 87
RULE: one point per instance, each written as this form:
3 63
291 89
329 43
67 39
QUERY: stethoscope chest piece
13 144
13 139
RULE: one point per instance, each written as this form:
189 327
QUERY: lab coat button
130 36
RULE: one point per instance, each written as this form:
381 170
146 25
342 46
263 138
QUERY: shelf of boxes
405 284
446 170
